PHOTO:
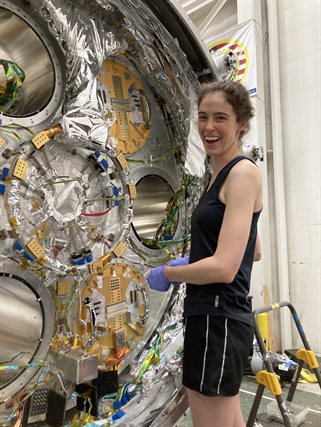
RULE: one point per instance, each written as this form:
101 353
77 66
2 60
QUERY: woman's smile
211 139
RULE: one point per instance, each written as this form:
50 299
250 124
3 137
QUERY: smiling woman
217 308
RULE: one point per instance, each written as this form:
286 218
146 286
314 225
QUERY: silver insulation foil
88 35
72 205
86 43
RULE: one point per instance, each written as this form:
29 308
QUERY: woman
217 309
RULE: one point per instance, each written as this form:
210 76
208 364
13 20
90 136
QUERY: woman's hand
157 279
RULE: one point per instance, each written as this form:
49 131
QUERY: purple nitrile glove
157 279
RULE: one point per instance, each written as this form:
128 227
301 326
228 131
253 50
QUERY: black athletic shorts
216 351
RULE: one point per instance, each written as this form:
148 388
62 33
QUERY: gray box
75 366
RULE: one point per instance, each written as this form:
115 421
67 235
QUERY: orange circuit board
113 312
128 113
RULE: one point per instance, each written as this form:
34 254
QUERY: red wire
95 214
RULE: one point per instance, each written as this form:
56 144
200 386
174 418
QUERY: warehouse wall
300 93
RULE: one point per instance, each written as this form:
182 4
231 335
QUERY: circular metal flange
27 43
155 190
26 327
117 313
113 312
68 206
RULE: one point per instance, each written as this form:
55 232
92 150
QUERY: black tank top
219 299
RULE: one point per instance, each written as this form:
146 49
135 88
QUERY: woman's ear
243 125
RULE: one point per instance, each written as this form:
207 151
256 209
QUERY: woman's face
218 126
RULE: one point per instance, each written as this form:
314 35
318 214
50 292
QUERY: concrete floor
306 396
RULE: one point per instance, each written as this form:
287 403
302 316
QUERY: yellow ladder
268 378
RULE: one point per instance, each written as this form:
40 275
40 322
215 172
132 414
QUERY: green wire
9 94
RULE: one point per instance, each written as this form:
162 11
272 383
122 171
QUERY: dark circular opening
153 194
21 327
27 76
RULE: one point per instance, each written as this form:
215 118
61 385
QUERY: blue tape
18 246
89 258
118 415
104 164
5 173
28 256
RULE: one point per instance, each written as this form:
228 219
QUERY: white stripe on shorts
223 359
205 351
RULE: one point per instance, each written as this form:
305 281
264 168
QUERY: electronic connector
36 249
20 168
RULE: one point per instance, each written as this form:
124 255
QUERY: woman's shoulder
244 182
245 168
244 178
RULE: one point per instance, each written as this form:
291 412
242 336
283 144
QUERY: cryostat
100 167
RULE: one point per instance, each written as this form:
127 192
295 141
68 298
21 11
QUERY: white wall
292 233
300 72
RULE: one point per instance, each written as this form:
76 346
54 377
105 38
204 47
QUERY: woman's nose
210 124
